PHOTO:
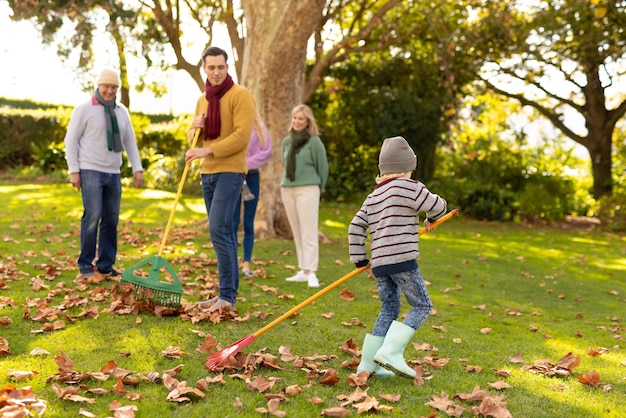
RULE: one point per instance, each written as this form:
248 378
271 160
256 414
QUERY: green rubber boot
371 344
391 354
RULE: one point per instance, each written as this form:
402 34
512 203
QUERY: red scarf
213 94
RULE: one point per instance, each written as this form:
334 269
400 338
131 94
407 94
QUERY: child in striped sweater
391 214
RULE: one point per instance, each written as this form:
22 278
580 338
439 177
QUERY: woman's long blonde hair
308 112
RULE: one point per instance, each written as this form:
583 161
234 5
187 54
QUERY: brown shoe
224 305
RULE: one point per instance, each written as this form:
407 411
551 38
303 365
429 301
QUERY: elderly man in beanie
390 213
99 130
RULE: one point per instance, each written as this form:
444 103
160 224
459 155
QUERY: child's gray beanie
396 156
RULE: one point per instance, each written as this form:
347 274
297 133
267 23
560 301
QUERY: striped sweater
390 213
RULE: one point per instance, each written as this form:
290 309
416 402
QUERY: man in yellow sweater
225 113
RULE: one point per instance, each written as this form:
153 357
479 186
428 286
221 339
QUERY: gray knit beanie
396 156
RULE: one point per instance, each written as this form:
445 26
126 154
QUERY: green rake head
149 287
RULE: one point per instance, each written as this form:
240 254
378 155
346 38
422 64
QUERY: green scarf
298 140
114 141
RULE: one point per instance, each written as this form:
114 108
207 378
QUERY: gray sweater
86 140
391 213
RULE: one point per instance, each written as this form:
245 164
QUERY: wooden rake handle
178 193
309 300
440 220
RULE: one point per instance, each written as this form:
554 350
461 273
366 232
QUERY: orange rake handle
440 221
337 283
309 300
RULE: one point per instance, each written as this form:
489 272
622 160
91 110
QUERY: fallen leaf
293 390
173 352
337 412
502 372
444 404
330 377
349 347
272 406
500 384
346 294
22 375
591 378
597 351
238 404
38 352
492 407
390 397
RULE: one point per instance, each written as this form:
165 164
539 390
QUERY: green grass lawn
506 297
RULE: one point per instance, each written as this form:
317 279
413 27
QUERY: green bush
32 143
485 202
25 133
492 173
547 197
612 211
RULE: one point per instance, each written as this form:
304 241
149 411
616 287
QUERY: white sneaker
299 277
312 279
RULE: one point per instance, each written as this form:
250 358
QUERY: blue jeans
221 193
411 284
249 211
102 194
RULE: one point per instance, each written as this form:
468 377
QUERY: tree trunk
600 152
274 66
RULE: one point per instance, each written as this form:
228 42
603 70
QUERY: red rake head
214 361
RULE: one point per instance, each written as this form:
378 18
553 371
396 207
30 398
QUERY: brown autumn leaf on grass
173 352
122 411
272 409
354 322
330 377
490 405
596 351
346 294
349 347
337 412
360 400
4 347
370 404
18 375
424 347
433 361
70 394
502 372
591 378
421 375
358 379
444 404
20 402
563 367
500 384
261 383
